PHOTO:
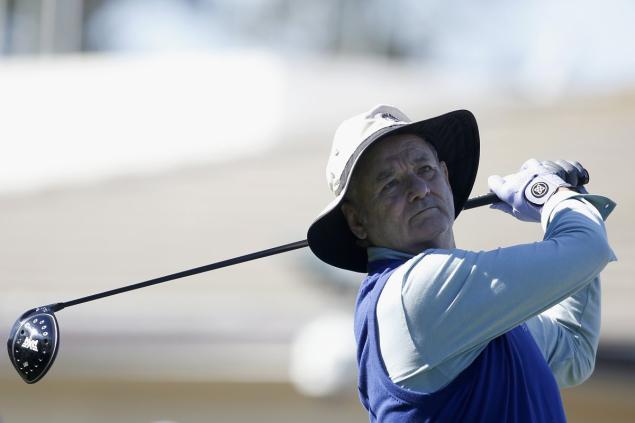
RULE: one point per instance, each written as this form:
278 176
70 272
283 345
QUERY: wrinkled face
400 197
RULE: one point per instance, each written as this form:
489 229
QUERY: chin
433 238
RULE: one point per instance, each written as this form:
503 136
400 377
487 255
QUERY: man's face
400 196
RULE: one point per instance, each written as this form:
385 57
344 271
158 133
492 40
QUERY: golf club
34 337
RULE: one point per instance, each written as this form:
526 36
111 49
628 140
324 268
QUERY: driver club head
33 343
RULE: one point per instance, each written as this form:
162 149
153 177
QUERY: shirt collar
382 257
383 253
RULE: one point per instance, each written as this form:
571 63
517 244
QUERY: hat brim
455 137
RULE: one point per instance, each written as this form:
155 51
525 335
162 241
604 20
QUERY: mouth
423 211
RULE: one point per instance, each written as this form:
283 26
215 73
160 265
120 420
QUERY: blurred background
144 137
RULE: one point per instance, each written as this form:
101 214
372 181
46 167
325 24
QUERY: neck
444 240
447 241
378 253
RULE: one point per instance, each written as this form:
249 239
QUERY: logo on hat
539 189
389 117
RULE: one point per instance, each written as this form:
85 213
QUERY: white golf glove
524 193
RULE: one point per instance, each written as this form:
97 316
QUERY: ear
354 219
445 171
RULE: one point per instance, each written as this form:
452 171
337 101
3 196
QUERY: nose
418 188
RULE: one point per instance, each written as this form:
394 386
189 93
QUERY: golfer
450 335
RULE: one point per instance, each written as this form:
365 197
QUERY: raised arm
568 333
454 301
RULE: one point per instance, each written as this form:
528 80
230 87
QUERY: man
445 334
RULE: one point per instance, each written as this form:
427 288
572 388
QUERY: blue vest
508 382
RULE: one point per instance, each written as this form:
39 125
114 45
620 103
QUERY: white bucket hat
455 137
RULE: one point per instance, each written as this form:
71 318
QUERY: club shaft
471 203
190 272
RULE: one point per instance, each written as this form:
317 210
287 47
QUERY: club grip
481 200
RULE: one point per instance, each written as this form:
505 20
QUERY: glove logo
539 189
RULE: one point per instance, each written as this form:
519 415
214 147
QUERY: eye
390 184
425 169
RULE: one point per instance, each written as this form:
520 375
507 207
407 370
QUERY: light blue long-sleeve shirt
440 309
